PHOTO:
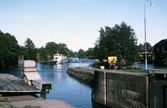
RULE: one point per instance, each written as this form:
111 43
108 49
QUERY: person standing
112 63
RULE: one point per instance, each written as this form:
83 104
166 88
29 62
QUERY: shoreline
21 100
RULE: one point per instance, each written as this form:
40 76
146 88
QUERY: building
160 51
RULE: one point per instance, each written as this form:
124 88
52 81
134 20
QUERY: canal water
65 87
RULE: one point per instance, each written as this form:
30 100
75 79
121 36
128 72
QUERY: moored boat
59 58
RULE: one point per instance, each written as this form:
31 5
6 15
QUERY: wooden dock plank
20 87
3 85
26 86
15 85
8 83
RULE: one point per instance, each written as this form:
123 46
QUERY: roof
161 43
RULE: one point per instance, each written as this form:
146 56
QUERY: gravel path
29 100
51 103
20 101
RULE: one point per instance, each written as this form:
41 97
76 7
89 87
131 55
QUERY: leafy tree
89 53
9 49
51 48
81 53
43 54
118 41
62 48
71 53
141 47
148 47
23 51
30 49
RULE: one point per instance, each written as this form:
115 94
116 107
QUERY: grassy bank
121 70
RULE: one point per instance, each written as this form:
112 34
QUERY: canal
65 87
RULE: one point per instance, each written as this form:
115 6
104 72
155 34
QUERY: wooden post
43 93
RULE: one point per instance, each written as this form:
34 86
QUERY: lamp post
145 31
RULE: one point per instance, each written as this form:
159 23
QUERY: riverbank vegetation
10 51
120 41
119 70
5 103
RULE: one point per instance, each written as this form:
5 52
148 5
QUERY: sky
77 22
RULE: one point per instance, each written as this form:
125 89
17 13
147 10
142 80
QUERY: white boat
59 58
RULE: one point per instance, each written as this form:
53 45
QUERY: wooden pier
31 76
31 82
12 84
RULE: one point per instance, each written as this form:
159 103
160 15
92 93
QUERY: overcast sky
77 22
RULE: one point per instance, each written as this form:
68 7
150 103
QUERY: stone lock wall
158 88
99 87
126 89
120 89
88 76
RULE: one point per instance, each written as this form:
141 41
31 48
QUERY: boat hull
59 58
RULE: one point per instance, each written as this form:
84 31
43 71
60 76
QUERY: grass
4 102
85 69
29 106
134 70
121 70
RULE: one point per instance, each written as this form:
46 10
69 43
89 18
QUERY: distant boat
59 58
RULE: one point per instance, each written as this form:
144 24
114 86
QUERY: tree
62 48
118 41
9 49
43 54
89 53
30 49
148 47
51 48
81 53
71 53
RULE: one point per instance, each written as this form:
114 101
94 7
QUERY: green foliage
43 54
81 53
118 41
148 47
30 49
9 50
51 48
29 106
4 100
89 53
62 48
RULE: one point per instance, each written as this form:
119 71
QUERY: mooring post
43 93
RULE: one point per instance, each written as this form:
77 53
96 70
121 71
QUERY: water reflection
65 87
